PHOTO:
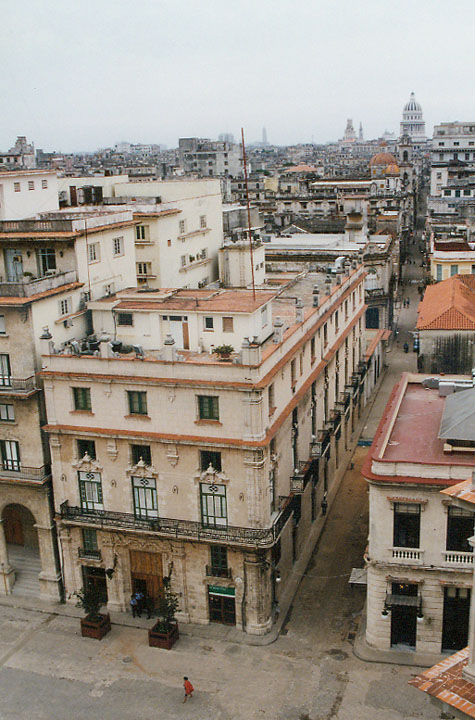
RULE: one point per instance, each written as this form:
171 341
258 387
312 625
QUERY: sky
78 75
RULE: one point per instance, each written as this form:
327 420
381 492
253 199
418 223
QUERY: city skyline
98 75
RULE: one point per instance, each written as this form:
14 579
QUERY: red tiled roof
449 305
445 682
451 246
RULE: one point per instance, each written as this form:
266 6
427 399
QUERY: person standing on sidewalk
188 689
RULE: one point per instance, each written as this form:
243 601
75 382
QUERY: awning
218 590
406 600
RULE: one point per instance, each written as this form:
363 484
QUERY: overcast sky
83 74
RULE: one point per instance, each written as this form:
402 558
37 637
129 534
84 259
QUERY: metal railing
221 572
179 529
13 469
10 384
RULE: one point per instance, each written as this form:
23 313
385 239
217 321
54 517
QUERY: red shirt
188 687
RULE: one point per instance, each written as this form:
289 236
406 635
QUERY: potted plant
223 351
164 633
94 625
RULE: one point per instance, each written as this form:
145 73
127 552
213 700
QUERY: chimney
338 277
328 285
315 293
251 353
169 350
278 330
347 268
299 310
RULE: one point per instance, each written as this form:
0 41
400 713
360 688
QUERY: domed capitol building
413 124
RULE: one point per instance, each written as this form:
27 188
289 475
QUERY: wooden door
146 571
13 526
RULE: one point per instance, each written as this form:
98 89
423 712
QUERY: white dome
412 105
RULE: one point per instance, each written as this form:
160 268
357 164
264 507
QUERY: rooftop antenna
248 213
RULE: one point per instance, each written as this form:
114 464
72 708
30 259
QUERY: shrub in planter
223 351
164 633
95 624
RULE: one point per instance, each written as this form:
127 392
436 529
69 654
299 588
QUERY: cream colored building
50 266
419 561
24 193
166 456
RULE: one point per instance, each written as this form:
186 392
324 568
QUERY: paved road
48 672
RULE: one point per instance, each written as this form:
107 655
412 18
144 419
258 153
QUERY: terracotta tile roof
461 491
301 168
451 246
445 682
449 305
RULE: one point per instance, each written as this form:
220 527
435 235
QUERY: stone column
50 576
179 583
116 597
257 595
7 573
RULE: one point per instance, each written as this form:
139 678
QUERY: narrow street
309 673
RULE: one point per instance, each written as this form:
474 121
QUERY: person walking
134 606
188 689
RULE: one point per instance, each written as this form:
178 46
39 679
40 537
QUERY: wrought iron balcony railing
10 384
321 445
14 470
89 554
180 529
222 572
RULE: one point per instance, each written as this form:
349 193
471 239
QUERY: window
82 398
439 272
86 447
118 246
213 505
141 452
459 529
109 289
325 335
210 457
293 377
140 232
228 324
44 184
473 269
89 540
90 490
10 454
45 260
182 227
407 521
31 184
16 187
145 497
5 371
218 555
312 348
93 252
137 402
208 407
208 323
183 260
203 221
3 330
7 412
144 268
125 319
454 270
301 363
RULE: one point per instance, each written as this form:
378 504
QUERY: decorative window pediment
212 476
87 464
141 470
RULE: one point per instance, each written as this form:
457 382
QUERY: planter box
96 629
163 640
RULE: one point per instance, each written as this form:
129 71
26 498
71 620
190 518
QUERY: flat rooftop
407 436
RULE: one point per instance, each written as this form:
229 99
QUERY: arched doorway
21 538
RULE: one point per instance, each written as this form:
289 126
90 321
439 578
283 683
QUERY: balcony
37 475
179 529
458 557
343 404
408 556
27 287
218 572
321 445
17 386
86 554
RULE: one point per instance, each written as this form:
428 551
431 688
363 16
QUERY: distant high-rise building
360 134
226 137
264 137
412 123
